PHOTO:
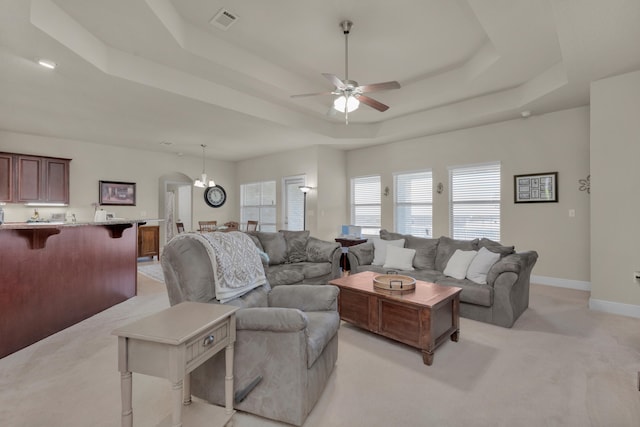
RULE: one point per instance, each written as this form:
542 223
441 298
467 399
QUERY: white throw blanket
237 267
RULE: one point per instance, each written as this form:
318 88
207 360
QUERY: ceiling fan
349 93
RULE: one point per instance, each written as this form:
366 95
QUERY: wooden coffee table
423 318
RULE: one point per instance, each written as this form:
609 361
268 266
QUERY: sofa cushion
380 249
312 270
430 276
320 250
255 239
296 245
446 248
458 264
399 258
283 274
321 327
425 248
388 235
479 267
496 247
472 293
274 245
363 253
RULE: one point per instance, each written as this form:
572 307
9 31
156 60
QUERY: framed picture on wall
117 193
536 188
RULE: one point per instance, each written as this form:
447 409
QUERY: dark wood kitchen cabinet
56 178
33 179
149 241
7 175
30 179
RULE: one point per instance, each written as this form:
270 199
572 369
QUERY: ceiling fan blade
335 81
311 94
375 87
372 103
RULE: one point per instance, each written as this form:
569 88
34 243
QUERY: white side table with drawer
172 343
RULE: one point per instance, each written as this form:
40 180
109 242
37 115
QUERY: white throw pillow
380 249
399 258
459 263
481 264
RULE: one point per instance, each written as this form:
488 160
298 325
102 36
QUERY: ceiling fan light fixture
343 103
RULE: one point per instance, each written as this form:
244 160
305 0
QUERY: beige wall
552 142
323 168
615 199
332 192
94 162
548 143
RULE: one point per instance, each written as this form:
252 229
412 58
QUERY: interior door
293 203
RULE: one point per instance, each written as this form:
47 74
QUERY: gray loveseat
500 301
288 336
295 258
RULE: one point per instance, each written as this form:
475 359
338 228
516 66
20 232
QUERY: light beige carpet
561 365
151 269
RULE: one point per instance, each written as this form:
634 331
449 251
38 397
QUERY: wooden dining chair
180 227
207 226
232 226
252 225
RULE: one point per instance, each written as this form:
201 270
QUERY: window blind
258 203
475 201
365 204
413 203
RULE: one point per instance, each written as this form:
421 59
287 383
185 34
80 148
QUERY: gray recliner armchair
286 341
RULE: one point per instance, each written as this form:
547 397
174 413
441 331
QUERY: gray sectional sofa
500 301
295 258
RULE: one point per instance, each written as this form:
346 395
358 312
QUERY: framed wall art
117 193
536 188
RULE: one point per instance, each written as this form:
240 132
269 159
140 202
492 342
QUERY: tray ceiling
138 73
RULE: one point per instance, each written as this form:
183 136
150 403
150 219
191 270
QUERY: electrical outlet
572 213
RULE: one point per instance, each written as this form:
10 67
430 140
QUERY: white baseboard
561 283
594 304
614 307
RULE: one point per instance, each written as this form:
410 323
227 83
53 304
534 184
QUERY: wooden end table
346 243
423 318
172 343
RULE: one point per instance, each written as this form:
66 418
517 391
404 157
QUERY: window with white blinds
258 203
475 201
413 203
365 204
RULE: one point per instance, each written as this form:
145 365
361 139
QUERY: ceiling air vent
224 19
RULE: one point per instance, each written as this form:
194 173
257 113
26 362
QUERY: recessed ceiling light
47 63
525 114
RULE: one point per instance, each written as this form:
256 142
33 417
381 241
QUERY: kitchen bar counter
53 224
53 275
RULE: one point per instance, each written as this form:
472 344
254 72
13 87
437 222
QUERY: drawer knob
208 340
